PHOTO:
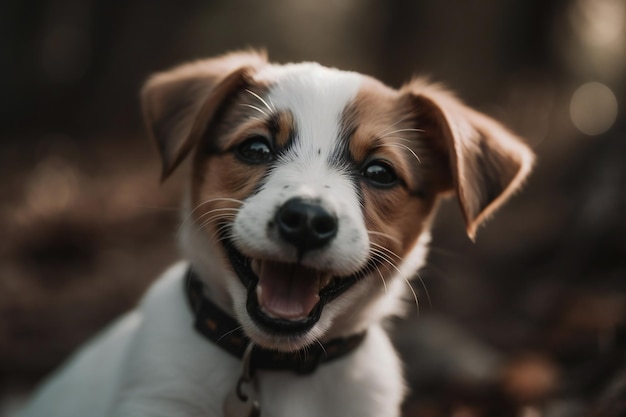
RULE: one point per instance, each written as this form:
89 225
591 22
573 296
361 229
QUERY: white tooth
259 293
324 280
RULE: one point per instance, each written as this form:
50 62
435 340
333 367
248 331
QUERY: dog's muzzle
288 298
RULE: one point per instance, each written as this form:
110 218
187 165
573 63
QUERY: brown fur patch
179 103
222 181
487 163
385 126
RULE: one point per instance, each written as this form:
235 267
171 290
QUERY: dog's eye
380 174
255 150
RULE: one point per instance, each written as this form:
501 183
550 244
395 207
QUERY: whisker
199 228
321 345
401 138
215 218
430 303
401 130
389 251
383 257
421 280
256 108
227 209
388 236
234 200
216 236
211 200
260 99
417 304
381 278
229 332
398 257
399 145
410 114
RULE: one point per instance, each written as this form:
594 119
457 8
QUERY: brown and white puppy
308 209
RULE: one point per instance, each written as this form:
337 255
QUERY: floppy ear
487 162
178 104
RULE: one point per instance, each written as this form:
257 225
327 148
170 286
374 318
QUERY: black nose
306 224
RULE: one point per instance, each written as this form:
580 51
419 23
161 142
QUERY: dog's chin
285 301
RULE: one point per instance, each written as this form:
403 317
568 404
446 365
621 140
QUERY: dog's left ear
487 162
178 104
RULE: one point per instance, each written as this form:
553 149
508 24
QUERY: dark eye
380 174
255 150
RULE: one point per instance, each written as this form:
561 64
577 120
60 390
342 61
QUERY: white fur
153 363
316 96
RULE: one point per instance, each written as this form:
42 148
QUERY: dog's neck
222 329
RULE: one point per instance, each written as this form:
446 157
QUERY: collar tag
242 400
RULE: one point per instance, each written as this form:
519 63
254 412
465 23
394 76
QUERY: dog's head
312 189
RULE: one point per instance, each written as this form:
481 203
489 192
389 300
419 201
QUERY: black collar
223 330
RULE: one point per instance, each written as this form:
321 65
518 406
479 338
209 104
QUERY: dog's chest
365 383
172 370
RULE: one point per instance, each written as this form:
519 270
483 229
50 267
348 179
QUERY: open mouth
286 298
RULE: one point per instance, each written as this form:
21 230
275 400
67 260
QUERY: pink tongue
287 291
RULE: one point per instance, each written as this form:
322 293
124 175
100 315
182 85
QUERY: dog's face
312 187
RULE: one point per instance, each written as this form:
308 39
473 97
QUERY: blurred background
530 320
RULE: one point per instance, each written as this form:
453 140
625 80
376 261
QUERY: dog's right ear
487 163
178 104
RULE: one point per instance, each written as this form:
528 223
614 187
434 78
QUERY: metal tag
242 400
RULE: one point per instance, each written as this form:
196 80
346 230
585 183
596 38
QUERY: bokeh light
593 108
596 44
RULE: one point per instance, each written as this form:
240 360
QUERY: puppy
311 194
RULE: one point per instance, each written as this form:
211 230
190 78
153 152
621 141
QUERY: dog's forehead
316 96
294 85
